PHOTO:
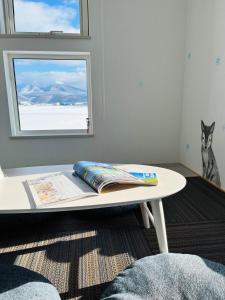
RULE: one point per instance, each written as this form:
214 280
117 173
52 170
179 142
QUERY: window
49 93
45 17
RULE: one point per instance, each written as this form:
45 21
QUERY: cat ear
203 125
212 127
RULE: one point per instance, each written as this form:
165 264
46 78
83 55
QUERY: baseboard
219 188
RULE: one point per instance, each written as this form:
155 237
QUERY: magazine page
99 175
55 188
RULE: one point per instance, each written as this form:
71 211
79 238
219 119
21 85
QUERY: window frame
7 23
8 57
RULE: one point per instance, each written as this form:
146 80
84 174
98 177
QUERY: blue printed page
99 175
146 177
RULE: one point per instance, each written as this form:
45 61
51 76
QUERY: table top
14 199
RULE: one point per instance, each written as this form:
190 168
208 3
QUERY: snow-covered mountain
56 94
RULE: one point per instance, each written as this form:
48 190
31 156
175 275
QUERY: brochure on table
58 187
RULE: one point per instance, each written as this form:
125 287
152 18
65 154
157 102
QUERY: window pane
51 94
47 15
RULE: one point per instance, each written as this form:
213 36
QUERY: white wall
137 50
204 82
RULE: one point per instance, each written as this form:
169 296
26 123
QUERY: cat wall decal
209 165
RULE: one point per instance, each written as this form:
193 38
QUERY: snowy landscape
51 94
38 117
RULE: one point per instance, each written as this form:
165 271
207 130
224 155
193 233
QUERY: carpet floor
81 252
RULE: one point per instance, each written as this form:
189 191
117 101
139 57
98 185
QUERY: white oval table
14 198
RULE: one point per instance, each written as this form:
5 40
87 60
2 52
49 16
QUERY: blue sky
47 15
47 72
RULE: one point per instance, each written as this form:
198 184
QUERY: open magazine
101 175
93 178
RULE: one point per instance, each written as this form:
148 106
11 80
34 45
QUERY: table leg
159 222
145 216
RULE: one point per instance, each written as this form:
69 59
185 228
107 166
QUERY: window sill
46 35
42 136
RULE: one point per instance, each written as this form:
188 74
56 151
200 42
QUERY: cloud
77 79
78 64
40 17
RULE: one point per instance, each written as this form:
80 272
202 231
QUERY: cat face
207 135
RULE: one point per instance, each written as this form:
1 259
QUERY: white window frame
7 23
2 18
8 57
